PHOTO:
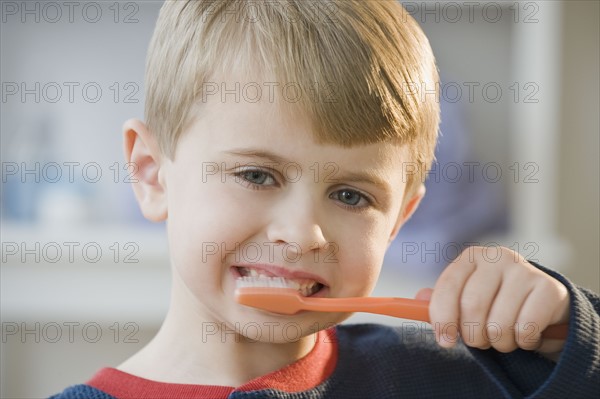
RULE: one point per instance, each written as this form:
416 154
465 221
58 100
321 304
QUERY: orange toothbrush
275 295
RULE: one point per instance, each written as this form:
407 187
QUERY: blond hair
371 62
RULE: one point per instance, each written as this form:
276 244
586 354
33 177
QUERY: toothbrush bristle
258 292
262 281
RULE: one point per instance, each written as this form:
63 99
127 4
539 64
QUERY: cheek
201 222
207 213
205 222
360 261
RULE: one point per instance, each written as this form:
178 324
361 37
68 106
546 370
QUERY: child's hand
496 299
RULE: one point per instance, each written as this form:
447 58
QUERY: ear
145 160
409 207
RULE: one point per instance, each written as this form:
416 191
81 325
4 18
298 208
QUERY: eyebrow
365 177
257 153
355 177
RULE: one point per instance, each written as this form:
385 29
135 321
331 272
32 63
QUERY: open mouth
306 287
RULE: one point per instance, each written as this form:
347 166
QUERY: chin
267 327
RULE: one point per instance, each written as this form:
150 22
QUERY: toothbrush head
268 293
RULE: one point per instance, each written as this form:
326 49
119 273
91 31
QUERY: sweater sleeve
577 372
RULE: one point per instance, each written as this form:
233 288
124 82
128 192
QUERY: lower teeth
315 288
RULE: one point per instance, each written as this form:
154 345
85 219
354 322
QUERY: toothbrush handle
404 308
556 331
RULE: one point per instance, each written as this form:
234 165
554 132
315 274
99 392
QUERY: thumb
424 294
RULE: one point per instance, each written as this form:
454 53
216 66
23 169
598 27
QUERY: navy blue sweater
375 361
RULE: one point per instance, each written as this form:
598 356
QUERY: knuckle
510 254
505 342
471 306
495 330
528 336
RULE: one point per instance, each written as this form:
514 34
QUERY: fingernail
446 340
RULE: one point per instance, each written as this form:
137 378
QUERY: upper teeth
305 287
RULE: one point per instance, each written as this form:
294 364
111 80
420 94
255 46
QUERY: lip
279 271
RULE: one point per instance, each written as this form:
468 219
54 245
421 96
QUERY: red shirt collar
304 374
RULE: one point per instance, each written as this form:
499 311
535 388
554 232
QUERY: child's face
249 189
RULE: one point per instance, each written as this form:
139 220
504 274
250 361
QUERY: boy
291 138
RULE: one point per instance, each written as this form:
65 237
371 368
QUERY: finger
424 294
476 300
444 308
500 328
546 304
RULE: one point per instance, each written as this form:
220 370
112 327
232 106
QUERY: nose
296 222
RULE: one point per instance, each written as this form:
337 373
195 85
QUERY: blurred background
85 279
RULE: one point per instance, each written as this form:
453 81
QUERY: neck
191 348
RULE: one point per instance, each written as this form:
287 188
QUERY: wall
580 140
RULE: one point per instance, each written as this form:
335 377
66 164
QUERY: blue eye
255 176
351 199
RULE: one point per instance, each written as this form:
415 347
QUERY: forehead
254 87
231 120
